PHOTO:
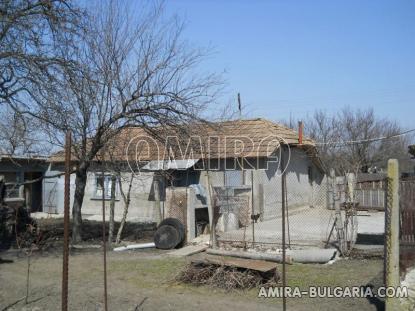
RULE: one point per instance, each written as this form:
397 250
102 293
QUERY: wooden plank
188 250
258 265
369 208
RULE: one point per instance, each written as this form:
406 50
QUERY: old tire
167 237
174 222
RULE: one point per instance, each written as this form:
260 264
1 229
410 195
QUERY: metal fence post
252 209
68 147
392 233
283 206
104 241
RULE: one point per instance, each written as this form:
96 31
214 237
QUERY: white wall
143 207
300 193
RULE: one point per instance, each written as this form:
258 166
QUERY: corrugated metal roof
5 157
169 165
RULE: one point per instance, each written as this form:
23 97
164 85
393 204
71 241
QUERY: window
233 178
104 181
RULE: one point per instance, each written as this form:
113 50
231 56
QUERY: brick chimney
300 132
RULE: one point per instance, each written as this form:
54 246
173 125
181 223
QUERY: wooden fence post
392 233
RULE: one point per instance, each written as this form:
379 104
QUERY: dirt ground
142 280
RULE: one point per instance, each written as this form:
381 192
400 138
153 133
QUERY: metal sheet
169 165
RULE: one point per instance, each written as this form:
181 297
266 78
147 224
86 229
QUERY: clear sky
294 56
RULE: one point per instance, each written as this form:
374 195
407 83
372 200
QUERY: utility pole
239 106
392 233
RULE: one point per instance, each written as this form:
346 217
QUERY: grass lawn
145 278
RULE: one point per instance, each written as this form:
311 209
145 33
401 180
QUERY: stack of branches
51 230
16 226
226 277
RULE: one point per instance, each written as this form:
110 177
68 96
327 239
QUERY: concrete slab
309 227
306 227
203 239
369 247
409 283
42 215
371 223
371 229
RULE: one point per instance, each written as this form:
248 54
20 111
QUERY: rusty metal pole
68 143
283 205
104 240
252 208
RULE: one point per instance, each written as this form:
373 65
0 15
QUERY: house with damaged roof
227 173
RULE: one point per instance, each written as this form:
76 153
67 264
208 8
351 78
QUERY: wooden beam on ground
252 264
188 250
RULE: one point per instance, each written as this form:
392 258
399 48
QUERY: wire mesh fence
249 215
319 211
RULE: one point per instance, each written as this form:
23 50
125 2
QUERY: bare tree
133 69
324 129
122 175
20 135
126 196
32 33
356 140
33 36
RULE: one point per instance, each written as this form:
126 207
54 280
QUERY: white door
50 196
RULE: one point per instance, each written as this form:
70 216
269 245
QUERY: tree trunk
123 221
126 199
112 210
80 184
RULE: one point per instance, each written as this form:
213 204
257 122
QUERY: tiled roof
259 137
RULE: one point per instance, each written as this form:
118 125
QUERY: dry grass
134 275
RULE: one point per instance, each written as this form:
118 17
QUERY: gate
407 224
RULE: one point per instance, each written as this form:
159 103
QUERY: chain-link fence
248 209
320 211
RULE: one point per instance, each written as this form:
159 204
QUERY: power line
370 140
